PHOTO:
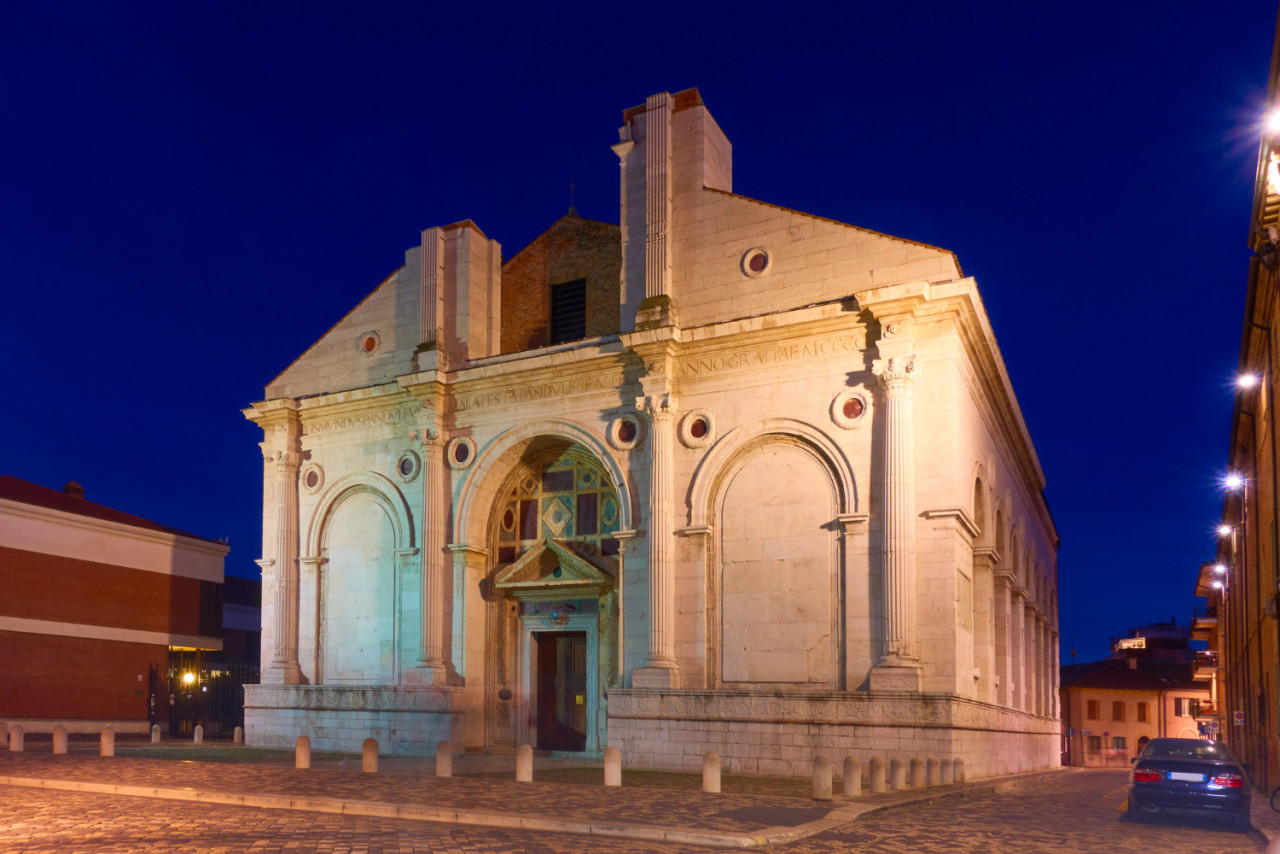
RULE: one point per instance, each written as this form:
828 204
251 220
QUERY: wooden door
562 690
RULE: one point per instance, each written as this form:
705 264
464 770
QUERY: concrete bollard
613 767
444 759
524 764
711 772
822 779
852 777
238 736
369 756
917 772
155 734
946 772
933 771
60 740
198 736
958 772
107 741
876 780
302 752
16 740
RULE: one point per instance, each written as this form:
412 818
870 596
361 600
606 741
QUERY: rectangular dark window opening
569 311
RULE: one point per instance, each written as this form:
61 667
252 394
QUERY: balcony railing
1206 663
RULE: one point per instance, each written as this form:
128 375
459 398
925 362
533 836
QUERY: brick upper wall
66 590
573 248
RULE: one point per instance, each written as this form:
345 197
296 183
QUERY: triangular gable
535 571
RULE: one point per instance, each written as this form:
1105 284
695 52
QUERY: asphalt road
1071 813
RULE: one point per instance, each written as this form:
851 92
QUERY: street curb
848 812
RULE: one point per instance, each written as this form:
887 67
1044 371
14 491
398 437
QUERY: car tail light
1229 781
1147 775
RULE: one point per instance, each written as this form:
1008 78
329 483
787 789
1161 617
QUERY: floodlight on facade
1273 121
1220 568
1233 481
1247 381
1218 585
1225 530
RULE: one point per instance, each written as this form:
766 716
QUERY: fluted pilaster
280 547
432 666
658 109
898 379
660 668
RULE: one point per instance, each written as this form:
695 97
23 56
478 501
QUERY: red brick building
92 601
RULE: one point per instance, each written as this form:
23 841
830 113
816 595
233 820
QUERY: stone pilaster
432 665
985 561
657 167
899 666
280 546
1028 676
1017 647
1003 642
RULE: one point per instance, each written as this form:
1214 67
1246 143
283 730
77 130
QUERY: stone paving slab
724 820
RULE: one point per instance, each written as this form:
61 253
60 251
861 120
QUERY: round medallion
623 432
408 466
460 452
849 408
756 262
697 428
312 477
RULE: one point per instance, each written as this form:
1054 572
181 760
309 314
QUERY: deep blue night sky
191 194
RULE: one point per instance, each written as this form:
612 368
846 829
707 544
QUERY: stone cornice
960 514
271 413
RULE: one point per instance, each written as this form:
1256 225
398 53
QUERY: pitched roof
24 492
1115 674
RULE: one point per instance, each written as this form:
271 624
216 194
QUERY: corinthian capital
657 407
896 372
427 438
281 459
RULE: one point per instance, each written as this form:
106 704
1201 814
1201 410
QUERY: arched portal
553 638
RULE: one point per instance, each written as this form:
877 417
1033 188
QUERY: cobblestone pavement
1073 812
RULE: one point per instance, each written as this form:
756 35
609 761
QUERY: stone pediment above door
553 568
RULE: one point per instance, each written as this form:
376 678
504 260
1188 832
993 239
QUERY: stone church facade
723 476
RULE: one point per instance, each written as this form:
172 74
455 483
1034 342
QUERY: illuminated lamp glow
1220 568
1233 481
1273 120
1217 585
1225 530
188 678
1247 380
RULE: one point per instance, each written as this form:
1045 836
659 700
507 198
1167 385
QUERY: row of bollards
915 773
106 738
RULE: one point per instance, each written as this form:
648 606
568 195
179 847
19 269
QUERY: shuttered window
569 311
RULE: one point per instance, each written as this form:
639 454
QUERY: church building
722 476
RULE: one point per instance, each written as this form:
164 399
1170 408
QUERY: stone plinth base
408 721
655 677
780 734
895 678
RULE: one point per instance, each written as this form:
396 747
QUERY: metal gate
206 692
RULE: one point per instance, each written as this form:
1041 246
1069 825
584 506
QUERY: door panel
562 690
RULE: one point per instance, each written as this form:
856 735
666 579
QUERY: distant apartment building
93 602
1148 689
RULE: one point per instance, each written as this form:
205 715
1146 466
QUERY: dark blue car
1189 774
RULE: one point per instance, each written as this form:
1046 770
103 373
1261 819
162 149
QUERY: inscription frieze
360 420
760 356
537 391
